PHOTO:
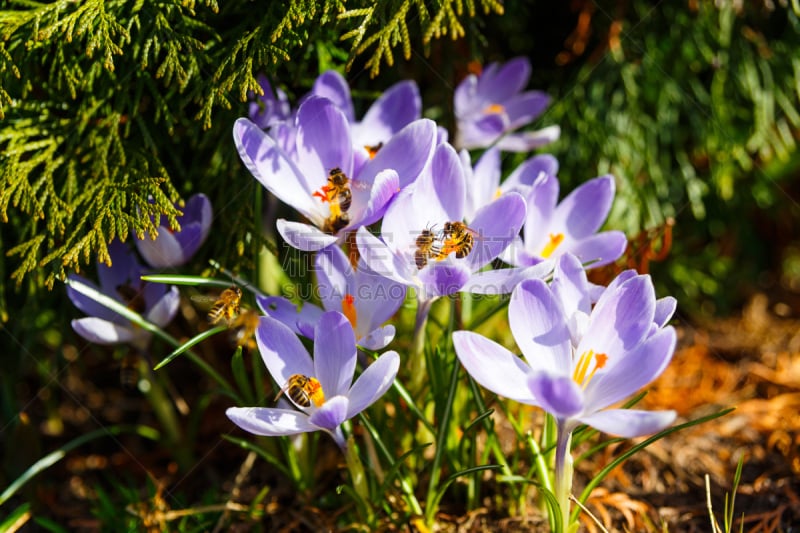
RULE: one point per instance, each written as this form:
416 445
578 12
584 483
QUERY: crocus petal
89 305
270 422
526 141
585 209
493 367
272 167
377 255
638 368
483 181
101 331
378 339
445 180
162 252
323 141
600 249
282 352
629 423
287 313
526 173
377 298
621 318
665 308
373 383
443 278
124 269
407 152
332 413
504 280
384 188
334 353
333 271
304 236
524 107
499 83
397 107
334 87
541 204
496 225
540 328
558 395
164 310
570 285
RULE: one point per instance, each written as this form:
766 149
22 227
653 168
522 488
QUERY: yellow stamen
551 246
498 193
494 109
349 309
582 367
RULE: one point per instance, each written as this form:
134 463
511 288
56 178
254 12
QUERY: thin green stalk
563 474
417 358
441 442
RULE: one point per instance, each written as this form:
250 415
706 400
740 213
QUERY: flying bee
133 297
225 306
458 238
303 391
129 374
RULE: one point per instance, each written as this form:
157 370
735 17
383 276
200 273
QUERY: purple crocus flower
424 242
174 248
397 107
576 368
323 152
336 398
490 106
367 299
121 280
553 229
269 108
579 360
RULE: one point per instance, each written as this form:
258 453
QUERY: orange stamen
551 246
349 309
582 367
494 109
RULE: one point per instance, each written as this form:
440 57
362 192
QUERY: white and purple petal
373 382
270 422
629 423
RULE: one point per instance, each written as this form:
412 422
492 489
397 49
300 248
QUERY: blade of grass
180 279
189 344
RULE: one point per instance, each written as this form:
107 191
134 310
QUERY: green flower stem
417 359
563 474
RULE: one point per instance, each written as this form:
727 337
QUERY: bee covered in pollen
337 193
303 391
456 237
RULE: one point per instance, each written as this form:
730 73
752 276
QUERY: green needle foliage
107 107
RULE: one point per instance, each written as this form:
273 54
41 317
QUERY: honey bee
225 306
426 248
133 298
303 391
129 374
458 238
455 237
337 193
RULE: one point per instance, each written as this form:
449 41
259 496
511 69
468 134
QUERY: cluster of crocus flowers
321 389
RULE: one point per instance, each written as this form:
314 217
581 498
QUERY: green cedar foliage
112 110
